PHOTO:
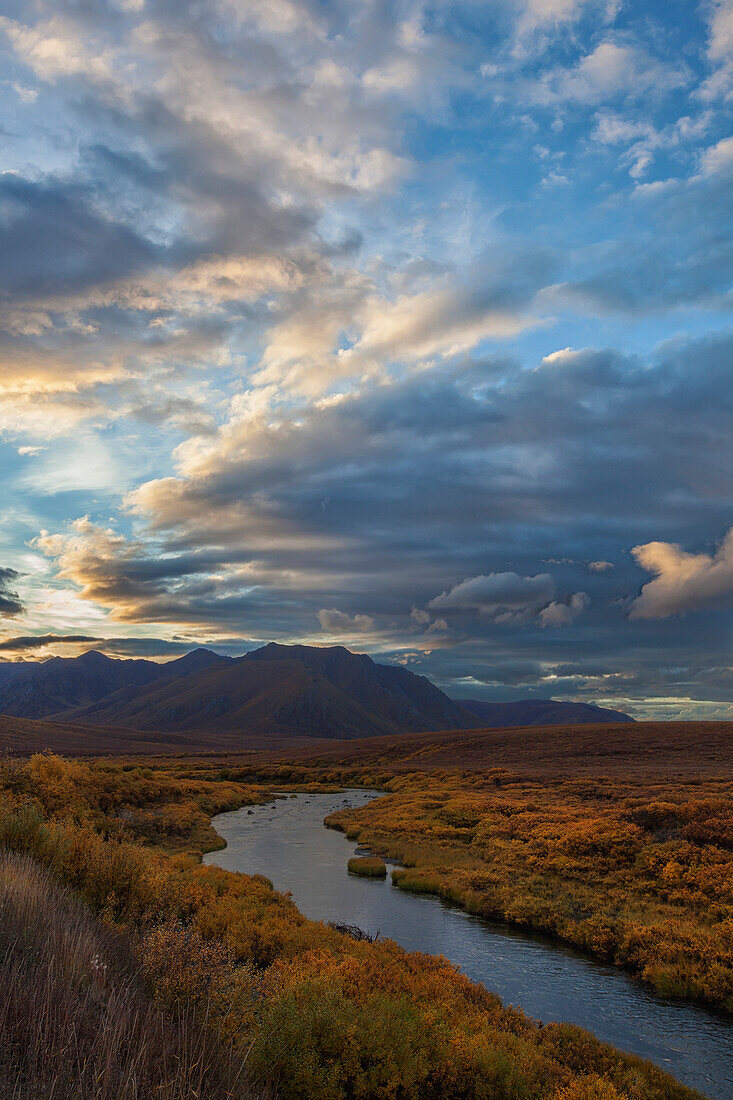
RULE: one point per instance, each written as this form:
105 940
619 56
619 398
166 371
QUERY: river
287 841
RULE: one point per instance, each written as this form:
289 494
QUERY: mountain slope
37 690
16 670
297 690
538 712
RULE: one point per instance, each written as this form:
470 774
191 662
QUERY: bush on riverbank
368 867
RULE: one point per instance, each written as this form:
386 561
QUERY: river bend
287 841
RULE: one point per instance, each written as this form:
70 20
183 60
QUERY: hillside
23 736
679 749
39 689
539 712
689 749
283 690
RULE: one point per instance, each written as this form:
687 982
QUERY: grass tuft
368 867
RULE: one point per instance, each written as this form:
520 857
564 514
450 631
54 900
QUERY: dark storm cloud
501 596
53 240
10 603
40 641
455 461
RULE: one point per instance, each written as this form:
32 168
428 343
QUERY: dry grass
75 1021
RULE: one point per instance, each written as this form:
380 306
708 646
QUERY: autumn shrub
316 1040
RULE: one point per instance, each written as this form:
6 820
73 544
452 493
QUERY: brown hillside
684 749
646 748
22 736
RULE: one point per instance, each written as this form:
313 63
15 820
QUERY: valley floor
616 839
308 1011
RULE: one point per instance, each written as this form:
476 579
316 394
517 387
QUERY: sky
403 326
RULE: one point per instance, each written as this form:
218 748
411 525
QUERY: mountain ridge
39 689
277 690
284 690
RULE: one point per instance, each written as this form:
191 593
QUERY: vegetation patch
368 867
637 873
312 1012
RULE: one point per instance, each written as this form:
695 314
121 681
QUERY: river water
287 841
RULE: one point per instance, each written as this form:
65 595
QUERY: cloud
56 48
718 158
135 585
499 596
337 622
10 602
720 50
56 241
645 141
47 416
613 69
419 616
40 641
384 493
442 322
563 613
683 581
508 597
600 566
538 20
349 333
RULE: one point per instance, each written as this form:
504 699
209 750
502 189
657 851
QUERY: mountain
37 689
296 690
277 690
538 712
11 670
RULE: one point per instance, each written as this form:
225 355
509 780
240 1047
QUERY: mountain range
277 690
37 689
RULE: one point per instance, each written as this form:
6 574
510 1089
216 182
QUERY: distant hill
539 712
31 689
282 690
24 736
